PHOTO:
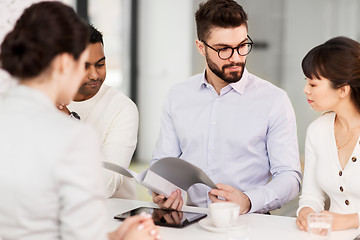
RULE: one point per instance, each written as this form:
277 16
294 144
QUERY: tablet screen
165 217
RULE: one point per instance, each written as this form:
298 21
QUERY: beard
231 77
87 90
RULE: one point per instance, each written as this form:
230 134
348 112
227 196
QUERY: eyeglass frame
251 43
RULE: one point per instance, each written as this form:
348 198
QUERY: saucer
207 224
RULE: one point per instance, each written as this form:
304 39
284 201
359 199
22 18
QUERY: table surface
269 227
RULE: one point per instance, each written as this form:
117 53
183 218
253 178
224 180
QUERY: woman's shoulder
59 128
322 123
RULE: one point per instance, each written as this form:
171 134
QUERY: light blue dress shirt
245 137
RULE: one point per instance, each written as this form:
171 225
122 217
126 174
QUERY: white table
269 227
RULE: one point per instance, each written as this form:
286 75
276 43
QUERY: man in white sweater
114 117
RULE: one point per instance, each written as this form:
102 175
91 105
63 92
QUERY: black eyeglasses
227 52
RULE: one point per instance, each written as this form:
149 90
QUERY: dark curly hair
43 31
218 13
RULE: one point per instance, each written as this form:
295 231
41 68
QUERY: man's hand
175 200
231 194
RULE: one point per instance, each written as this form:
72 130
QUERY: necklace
343 145
351 131
347 142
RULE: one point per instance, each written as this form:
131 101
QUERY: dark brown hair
43 31
95 35
337 60
218 13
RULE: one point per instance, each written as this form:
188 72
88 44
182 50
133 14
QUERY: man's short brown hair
218 13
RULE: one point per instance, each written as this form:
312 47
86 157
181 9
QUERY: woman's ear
345 91
66 63
62 65
200 46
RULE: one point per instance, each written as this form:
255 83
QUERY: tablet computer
165 217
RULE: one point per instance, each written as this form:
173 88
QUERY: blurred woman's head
44 32
337 60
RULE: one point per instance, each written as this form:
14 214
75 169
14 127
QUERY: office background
150 46
157 50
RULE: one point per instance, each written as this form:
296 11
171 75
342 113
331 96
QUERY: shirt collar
239 86
203 82
94 98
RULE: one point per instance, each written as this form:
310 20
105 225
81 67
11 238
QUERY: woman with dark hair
332 151
50 173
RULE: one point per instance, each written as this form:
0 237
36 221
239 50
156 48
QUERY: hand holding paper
174 201
166 175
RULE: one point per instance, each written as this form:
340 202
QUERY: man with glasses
236 127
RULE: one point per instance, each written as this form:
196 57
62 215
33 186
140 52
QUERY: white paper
166 176
160 185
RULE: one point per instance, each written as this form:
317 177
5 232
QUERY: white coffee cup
223 214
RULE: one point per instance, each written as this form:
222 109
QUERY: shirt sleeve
283 154
168 144
119 144
82 213
312 196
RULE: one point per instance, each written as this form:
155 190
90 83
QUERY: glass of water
319 226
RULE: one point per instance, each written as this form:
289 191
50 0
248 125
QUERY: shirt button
340 173
353 159
347 202
341 189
